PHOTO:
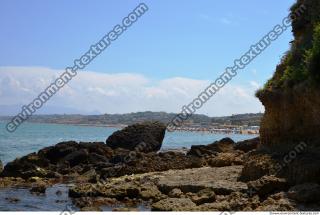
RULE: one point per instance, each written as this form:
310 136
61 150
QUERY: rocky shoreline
129 171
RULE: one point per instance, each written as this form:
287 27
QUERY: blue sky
188 39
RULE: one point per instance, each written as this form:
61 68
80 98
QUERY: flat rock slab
222 180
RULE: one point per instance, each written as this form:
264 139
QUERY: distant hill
251 119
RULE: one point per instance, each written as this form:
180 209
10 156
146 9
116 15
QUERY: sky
159 64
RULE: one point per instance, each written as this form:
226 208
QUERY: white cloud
225 21
122 93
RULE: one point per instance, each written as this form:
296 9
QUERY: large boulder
226 159
247 145
223 145
142 137
1 166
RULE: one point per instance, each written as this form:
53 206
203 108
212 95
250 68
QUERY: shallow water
49 201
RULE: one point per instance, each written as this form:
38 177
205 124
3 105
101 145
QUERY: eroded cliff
291 96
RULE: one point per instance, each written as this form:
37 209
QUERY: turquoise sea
31 137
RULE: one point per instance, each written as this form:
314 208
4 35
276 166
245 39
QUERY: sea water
31 137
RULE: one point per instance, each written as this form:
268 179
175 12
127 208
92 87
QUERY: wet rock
83 190
38 189
12 199
226 159
247 145
223 145
143 137
267 185
59 193
173 204
61 201
308 192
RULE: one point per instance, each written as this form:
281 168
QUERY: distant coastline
235 124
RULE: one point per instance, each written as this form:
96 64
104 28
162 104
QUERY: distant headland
248 123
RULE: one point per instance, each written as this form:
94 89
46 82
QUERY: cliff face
292 96
291 117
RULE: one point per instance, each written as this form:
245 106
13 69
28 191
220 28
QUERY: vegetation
302 62
312 57
131 118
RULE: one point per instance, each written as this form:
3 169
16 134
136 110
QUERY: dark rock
77 157
302 167
52 174
64 158
59 193
94 158
22 168
38 189
278 202
59 151
308 192
144 137
12 199
201 151
226 159
223 145
99 148
1 166
267 185
247 145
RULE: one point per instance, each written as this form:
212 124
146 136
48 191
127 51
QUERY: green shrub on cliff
302 62
312 57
